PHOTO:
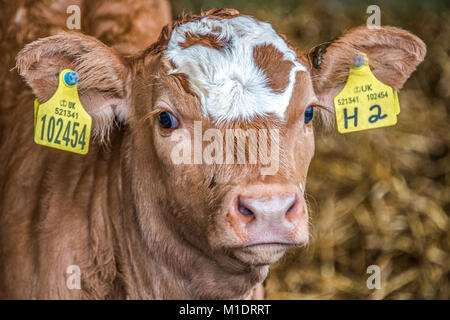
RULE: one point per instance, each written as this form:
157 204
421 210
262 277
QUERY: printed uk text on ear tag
62 122
365 102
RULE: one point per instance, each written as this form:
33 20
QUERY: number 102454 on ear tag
365 102
62 122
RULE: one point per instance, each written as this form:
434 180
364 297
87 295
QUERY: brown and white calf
139 225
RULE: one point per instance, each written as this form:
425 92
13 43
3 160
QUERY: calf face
192 105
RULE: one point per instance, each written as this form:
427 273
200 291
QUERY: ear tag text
62 122
365 102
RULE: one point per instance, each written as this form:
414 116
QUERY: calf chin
261 254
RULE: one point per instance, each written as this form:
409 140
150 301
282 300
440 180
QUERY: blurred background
379 197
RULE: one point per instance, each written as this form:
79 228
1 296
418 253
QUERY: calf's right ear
393 55
104 86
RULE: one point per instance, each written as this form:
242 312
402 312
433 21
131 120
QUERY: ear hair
393 55
316 54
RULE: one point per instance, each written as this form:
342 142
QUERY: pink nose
274 207
269 214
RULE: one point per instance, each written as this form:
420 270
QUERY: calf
142 215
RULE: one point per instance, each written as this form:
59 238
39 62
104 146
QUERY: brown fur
207 40
138 226
129 26
276 73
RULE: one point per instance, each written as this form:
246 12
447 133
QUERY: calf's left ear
104 85
393 55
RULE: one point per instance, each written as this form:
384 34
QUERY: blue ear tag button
71 78
359 61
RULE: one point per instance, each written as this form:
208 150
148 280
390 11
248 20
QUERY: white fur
228 81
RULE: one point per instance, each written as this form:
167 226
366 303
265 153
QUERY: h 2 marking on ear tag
365 102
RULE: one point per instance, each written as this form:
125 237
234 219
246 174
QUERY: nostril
244 211
290 209
293 206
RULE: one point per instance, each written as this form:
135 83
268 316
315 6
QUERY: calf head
217 118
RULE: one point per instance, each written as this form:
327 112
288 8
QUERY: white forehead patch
228 81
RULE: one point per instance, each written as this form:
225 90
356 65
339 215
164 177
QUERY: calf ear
393 55
104 77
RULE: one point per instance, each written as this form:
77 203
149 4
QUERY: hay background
376 197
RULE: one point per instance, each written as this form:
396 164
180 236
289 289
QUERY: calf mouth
261 253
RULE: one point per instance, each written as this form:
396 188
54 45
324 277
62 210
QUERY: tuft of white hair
228 81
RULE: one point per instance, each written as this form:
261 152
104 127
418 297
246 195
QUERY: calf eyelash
151 114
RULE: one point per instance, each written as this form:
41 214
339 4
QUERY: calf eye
309 112
168 120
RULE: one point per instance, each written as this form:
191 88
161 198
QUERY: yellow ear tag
365 102
62 122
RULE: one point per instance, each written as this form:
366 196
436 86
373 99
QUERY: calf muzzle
269 214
